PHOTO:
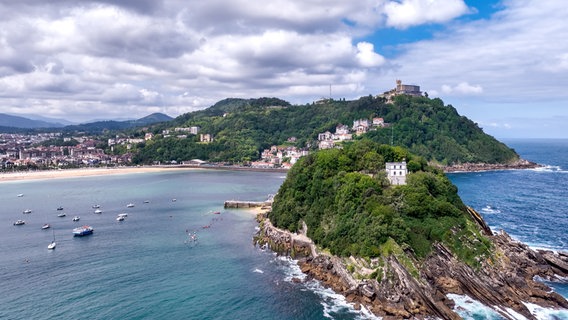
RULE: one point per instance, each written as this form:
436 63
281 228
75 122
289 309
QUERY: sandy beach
83 172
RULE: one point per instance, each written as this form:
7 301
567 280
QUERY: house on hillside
396 172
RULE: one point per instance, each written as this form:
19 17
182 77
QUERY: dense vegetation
243 128
344 198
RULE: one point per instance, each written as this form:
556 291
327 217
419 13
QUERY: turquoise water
144 268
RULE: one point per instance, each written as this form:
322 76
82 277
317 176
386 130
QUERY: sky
503 64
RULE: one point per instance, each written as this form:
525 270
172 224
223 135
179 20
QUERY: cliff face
397 286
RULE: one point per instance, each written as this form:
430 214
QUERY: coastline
521 164
75 173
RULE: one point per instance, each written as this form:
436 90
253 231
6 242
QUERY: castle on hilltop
400 89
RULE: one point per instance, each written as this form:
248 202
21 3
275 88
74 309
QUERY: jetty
237 204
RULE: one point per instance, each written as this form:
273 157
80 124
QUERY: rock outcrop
474 167
396 286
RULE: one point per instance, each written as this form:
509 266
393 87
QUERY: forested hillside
241 129
349 207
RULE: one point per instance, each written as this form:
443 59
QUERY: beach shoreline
80 172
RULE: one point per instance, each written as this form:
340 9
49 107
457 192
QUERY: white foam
490 209
468 308
544 313
258 271
549 168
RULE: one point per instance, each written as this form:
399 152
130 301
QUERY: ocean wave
258 271
490 209
550 168
333 303
544 313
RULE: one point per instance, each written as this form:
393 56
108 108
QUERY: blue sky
503 64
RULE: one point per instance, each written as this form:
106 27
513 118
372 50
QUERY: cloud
462 88
367 56
408 13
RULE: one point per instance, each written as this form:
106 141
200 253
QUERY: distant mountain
7 120
58 121
100 126
10 123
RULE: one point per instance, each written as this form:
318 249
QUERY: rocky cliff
397 286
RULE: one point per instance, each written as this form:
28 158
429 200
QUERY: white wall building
396 172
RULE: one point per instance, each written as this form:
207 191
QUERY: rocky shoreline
392 288
521 164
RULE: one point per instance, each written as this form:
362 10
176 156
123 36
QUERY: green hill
349 207
242 128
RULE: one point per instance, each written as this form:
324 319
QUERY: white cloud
463 88
367 56
408 13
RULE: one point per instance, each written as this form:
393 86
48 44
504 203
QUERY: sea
180 255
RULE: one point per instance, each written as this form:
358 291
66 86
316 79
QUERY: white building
396 172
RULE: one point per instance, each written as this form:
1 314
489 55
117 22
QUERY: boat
120 218
96 206
98 211
46 226
174 200
19 222
82 231
52 245
130 205
59 208
217 212
20 195
146 201
61 215
123 215
27 211
76 218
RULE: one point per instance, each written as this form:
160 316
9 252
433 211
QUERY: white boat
46 226
76 218
27 211
52 245
20 195
98 211
120 218
61 215
19 222
146 201
82 231
123 215
96 206
130 205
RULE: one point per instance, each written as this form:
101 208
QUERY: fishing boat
19 222
27 211
82 231
76 218
46 226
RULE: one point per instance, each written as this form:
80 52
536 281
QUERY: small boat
98 211
82 231
19 222
120 218
27 211
76 218
46 226
20 195
61 215
217 212
123 215
146 201
96 206
130 205
52 245
174 200
59 208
